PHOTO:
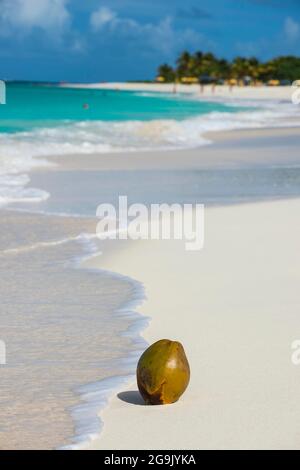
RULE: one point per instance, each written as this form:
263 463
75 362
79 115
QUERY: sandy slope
235 307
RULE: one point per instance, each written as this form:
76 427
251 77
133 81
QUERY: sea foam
94 397
21 152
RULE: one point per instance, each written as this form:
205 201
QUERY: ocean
72 335
42 120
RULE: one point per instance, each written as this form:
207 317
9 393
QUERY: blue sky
95 40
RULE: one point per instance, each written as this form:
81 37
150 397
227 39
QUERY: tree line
206 67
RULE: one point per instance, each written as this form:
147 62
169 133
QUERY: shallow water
61 328
203 186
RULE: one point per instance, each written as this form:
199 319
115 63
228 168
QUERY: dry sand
235 307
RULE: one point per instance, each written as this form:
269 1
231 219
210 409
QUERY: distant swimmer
85 106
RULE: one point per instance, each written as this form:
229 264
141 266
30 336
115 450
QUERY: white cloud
107 18
102 17
291 29
159 36
24 15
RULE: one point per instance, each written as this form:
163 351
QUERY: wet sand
230 149
61 330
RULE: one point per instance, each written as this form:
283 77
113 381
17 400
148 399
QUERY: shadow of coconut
133 397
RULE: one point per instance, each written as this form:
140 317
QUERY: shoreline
154 135
233 143
94 397
121 406
264 93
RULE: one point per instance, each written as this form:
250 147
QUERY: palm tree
223 69
166 72
240 68
209 67
184 64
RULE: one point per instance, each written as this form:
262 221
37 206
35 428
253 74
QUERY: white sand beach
236 312
234 305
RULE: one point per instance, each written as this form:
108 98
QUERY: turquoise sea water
41 120
30 105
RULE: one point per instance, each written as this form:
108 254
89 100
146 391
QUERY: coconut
163 372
